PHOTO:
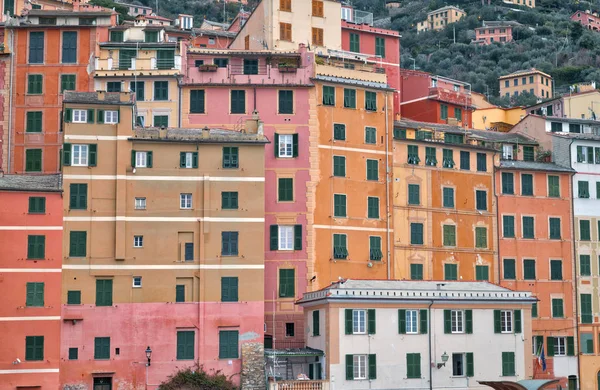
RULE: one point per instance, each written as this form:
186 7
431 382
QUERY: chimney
101 95
162 132
125 96
205 132
252 125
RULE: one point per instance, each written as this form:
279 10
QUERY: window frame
359 321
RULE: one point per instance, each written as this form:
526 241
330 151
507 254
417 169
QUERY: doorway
104 383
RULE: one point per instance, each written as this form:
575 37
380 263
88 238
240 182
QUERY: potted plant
287 67
544 156
208 68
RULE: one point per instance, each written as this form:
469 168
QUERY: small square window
138 241
185 201
73 354
137 281
140 203
111 117
79 116
289 329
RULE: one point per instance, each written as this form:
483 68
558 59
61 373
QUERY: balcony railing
299 385
261 74
284 344
138 64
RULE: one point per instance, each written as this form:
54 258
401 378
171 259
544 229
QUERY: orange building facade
30 281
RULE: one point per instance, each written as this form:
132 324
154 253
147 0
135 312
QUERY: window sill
34 259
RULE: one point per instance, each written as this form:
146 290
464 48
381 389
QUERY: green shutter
276 144
518 321
68 115
348 320
373 170
100 117
133 158
316 322
401 321
550 348
287 283
570 346
93 155
37 205
423 321
349 367
35 294
73 297
229 289
497 322
297 237
470 365
372 366
447 321
90 115
102 348
373 207
180 293
148 159
295 145
469 321
185 345
371 322
182 159
104 288
274 237
34 348
286 190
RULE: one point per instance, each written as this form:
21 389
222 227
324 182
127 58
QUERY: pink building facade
589 20
490 34
277 88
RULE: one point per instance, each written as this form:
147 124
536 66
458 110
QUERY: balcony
263 74
110 66
299 385
364 72
450 96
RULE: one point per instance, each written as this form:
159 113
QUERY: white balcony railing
299 385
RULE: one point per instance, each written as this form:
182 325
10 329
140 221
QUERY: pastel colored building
440 18
583 104
163 246
525 3
532 81
497 118
492 31
140 59
588 19
50 53
5 61
136 9
384 334
30 280
436 99
285 24
443 204
277 87
536 246
581 152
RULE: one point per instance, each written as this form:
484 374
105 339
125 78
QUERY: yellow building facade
532 81
440 18
497 118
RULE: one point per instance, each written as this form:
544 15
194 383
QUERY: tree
195 378
121 9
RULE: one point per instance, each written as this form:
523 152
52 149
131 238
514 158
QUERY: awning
530 384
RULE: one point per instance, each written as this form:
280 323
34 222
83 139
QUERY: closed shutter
295 145
348 321
550 344
297 237
165 59
372 366
93 155
66 154
371 323
517 314
470 365
180 293
197 102
316 322
182 158
36 47
73 297
349 367
447 321
468 321
185 345
69 47
104 289
570 346
274 240
287 283
423 321
276 144
497 322
401 321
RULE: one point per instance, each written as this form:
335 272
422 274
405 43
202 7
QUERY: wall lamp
444 360
149 356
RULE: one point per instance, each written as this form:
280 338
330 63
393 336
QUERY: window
238 102
317 36
285 237
289 329
526 184
285 34
555 270
35 294
228 344
416 233
515 82
79 155
373 207
528 227
529 269
188 249
448 197
69 47
465 160
584 230
509 269
138 87
380 47
359 321
373 170
221 62
450 272
399 133
430 156
481 162
528 153
185 344
370 101
413 365
37 205
34 122
553 187
161 120
251 65
443 112
480 237
583 189
34 84
339 166
482 273
116 36
229 200
586 309
448 159
34 348
138 241
315 322
328 96
230 157
449 235
104 290
77 244
339 205
534 312
165 59
285 5
113 86
141 159
416 271
151 36
109 117
587 343
286 190
458 368
140 203
73 354
349 98
508 226
555 228
78 196
458 114
375 252
188 160
556 127
584 265
161 90
229 289
340 248
287 283
481 200
508 183
229 243
457 321
354 43
286 102
557 308
506 321
370 135
196 101
67 82
508 364
339 131
180 293
36 247
185 201
137 281
80 116
36 47
414 197
413 154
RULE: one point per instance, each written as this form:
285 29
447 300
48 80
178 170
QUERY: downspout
387 185
499 266
10 99
430 362
179 102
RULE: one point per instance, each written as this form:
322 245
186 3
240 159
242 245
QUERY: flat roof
206 135
34 183
455 129
347 81
497 136
109 98
534 166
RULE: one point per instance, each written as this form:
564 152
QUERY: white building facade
419 334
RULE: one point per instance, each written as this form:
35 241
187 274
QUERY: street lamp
149 356
444 360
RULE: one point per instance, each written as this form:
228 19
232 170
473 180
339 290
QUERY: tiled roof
37 183
580 136
197 136
533 166
432 126
497 136
416 285
218 33
93 98
343 80
523 73
146 45
39 12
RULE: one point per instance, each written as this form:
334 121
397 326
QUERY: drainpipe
429 331
387 186
497 217
10 98
179 82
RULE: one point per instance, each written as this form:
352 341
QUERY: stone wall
253 366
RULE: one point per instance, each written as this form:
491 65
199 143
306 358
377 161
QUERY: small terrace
166 66
299 385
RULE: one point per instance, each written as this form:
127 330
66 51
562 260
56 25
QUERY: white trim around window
79 155
79 116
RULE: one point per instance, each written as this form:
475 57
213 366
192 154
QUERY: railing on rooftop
138 63
299 385
363 17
